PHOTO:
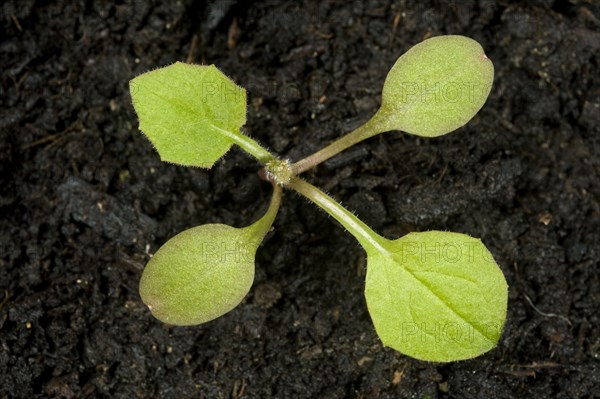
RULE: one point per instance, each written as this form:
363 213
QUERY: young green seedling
436 296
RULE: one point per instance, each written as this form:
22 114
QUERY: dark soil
84 198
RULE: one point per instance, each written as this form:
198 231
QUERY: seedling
435 295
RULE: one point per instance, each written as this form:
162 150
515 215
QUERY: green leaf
204 272
192 114
436 296
436 87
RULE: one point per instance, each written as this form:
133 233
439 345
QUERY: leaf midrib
390 257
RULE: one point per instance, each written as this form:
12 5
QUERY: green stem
369 240
248 144
268 218
373 127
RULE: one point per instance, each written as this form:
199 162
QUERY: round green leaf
199 275
204 272
436 87
191 113
436 296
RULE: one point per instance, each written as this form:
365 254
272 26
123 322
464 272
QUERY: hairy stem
369 240
266 221
249 145
374 126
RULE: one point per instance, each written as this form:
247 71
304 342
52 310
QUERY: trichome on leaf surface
436 296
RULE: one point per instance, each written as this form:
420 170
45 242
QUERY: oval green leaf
192 114
204 272
436 296
436 87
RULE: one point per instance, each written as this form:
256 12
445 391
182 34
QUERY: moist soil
85 200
